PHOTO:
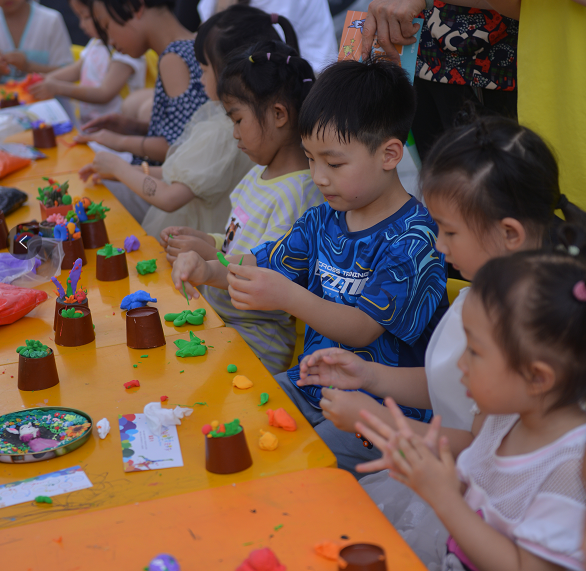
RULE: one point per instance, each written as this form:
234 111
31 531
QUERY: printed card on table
142 450
351 43
52 484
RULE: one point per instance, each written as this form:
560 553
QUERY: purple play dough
164 562
131 243
39 444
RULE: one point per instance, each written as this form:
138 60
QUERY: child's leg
312 414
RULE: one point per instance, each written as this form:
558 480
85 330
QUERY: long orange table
215 529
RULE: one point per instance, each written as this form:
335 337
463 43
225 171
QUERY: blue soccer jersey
391 271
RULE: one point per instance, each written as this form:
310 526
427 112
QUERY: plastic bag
16 302
35 271
11 199
10 163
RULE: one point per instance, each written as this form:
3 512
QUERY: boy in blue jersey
361 271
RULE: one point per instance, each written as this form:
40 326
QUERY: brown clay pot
74 332
44 137
144 329
94 234
111 269
73 249
6 103
63 209
37 374
59 304
362 557
3 232
227 455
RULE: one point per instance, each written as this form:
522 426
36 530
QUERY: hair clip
250 59
579 291
288 58
274 18
268 56
309 79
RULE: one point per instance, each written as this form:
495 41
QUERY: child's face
84 15
11 6
485 372
349 176
254 140
208 80
458 242
127 39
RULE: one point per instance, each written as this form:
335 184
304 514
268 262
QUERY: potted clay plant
66 230
91 216
111 264
43 135
8 99
74 326
226 448
54 198
73 294
144 329
36 367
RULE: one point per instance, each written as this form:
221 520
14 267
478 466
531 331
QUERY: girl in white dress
515 498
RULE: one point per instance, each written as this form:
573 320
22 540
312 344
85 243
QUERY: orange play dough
328 550
241 382
268 441
281 419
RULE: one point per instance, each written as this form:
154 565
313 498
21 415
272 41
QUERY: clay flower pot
37 374
3 232
12 102
362 557
93 233
60 304
228 454
74 331
111 269
44 137
144 329
73 249
62 209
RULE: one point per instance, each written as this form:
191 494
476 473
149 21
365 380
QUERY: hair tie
306 80
288 58
250 59
268 56
579 291
274 18
562 202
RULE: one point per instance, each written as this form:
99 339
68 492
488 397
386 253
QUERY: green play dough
146 267
232 368
108 250
33 349
222 259
71 313
264 398
191 348
43 500
231 428
194 317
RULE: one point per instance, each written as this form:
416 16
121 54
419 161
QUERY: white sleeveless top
446 346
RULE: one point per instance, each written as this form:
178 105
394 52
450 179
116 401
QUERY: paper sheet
52 484
142 450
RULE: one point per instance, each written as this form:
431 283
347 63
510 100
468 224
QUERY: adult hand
46 89
4 69
17 59
260 288
343 408
392 22
189 267
112 122
333 367
104 137
104 167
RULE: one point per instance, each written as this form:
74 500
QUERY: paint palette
42 433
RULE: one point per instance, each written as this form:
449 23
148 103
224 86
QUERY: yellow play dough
268 441
241 382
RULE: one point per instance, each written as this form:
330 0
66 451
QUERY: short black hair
266 73
235 29
371 102
122 11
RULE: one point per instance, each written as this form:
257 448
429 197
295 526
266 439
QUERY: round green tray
59 450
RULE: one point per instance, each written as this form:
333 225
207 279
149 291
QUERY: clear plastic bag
35 271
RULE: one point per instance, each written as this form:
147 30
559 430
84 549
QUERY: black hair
494 168
123 10
235 28
530 299
370 102
266 73
87 3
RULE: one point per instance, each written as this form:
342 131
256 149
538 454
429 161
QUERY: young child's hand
333 367
174 231
343 408
384 437
4 69
17 59
258 288
185 243
103 168
114 122
104 137
46 89
189 268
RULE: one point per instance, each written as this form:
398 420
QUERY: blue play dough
164 562
137 299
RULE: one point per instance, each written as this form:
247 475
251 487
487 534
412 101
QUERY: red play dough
261 560
206 429
163 399
16 302
131 384
281 419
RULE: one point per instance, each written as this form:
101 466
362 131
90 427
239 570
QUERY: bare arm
68 73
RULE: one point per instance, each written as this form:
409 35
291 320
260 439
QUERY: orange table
61 159
215 529
91 380
104 301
